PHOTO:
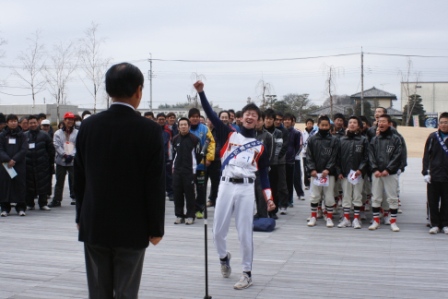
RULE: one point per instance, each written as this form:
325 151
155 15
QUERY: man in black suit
119 187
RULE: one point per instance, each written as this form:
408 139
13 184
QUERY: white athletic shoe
282 211
386 220
244 282
356 224
312 221
375 225
435 230
330 222
189 221
394 227
226 270
445 230
344 223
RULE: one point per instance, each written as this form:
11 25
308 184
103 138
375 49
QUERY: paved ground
41 258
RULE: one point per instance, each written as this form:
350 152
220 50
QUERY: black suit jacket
119 179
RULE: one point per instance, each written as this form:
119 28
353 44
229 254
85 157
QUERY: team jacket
435 159
353 153
266 137
187 150
322 153
203 133
294 145
385 152
279 150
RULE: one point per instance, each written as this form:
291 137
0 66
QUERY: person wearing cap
64 141
45 127
40 118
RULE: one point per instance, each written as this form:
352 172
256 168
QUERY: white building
434 95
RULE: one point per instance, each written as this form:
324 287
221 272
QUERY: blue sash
238 150
442 144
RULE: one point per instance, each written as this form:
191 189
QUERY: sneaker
30 208
4 214
435 230
22 213
375 225
226 270
307 188
291 205
45 208
394 227
312 221
54 204
330 222
199 215
445 230
282 211
244 282
179 220
344 223
356 224
210 203
386 220
189 221
73 203
399 211
302 197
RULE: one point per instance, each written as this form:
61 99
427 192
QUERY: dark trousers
298 179
277 178
262 208
183 186
113 272
214 174
42 200
201 190
289 170
61 172
169 178
437 193
306 176
6 206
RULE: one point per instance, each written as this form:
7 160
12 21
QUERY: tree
265 92
409 91
415 107
92 64
297 103
63 63
33 66
367 109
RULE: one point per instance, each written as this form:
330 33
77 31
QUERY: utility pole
150 81
329 91
362 82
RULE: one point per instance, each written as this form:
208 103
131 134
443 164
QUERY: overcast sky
237 30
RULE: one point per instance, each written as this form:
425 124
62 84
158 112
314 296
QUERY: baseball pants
352 194
388 184
319 192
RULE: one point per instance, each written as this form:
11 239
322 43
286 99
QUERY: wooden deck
41 257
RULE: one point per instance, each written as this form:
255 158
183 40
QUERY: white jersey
244 164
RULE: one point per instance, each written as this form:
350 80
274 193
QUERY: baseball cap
45 122
69 115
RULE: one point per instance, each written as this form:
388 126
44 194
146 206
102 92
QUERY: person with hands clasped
352 163
241 156
322 156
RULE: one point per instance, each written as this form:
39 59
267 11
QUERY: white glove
427 179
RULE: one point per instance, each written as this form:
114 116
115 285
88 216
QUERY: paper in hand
320 181
11 171
352 178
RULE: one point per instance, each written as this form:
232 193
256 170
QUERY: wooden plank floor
41 257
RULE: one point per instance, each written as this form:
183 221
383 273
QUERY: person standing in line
39 165
294 147
120 188
13 147
64 141
187 153
435 172
167 135
241 156
214 169
306 134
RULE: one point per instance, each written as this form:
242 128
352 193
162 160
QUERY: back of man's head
122 80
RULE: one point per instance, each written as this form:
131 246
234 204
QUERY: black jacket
187 150
353 153
267 139
39 162
435 159
385 152
13 190
119 179
322 153
279 146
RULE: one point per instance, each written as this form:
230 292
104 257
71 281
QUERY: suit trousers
388 185
437 193
113 272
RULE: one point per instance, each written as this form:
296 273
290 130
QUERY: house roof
326 110
374 93
394 112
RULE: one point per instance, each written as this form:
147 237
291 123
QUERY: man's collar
123 104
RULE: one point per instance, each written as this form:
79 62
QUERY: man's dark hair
161 114
184 118
358 120
262 115
389 119
193 112
394 123
78 118
2 118
41 115
170 114
309 119
136 112
443 115
384 109
223 111
239 114
288 116
366 120
323 118
147 113
23 118
32 116
231 111
339 115
85 112
12 117
269 113
122 80
250 106
278 113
